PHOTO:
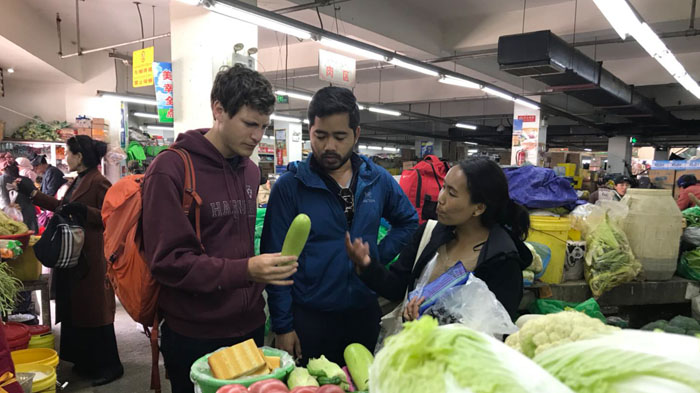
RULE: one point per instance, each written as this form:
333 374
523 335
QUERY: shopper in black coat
478 224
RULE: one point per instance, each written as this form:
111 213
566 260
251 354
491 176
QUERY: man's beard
338 160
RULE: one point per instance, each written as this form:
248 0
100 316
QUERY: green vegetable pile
9 226
678 325
38 130
327 372
627 361
425 357
609 258
9 287
692 216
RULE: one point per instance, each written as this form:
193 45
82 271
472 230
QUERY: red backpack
127 268
422 184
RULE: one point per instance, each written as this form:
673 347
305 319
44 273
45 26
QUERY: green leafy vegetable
9 287
324 368
692 216
627 361
609 258
38 130
689 265
300 377
425 357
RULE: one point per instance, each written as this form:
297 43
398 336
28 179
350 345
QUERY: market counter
635 293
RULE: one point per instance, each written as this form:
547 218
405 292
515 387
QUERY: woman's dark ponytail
518 219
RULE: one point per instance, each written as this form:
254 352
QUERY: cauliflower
536 266
552 330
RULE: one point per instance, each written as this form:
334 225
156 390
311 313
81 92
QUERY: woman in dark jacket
478 224
85 303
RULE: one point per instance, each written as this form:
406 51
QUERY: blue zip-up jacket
326 280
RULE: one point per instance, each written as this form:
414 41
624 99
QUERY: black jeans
179 352
328 333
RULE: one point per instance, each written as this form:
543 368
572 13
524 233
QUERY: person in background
52 177
9 177
343 193
478 224
211 286
26 168
621 185
85 304
688 185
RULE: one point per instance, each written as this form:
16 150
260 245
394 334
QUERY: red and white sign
336 69
528 118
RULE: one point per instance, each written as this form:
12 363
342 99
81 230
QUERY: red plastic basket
22 237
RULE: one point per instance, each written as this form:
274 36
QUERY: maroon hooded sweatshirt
204 294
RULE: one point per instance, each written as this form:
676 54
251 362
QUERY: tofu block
237 361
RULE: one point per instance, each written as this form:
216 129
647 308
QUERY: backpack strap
437 179
190 194
420 185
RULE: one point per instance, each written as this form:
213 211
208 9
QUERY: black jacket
501 262
53 180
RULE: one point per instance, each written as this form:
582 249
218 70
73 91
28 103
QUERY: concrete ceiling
27 66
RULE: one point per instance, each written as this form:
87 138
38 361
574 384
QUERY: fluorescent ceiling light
390 149
128 98
384 111
292 94
364 147
285 118
472 151
259 20
160 128
190 2
528 104
361 107
413 67
471 143
467 126
620 15
146 115
306 121
267 137
10 70
331 43
497 93
374 148
450 80
587 149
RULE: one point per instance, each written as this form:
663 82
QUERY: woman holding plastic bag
478 225
16 205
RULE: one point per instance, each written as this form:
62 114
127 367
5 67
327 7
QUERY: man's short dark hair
237 86
332 100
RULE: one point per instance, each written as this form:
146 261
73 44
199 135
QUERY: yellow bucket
27 267
44 377
43 356
552 232
47 340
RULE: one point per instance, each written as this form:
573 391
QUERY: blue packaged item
455 276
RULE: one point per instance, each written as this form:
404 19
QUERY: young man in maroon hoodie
211 296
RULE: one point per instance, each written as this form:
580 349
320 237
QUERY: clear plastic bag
474 306
115 155
692 236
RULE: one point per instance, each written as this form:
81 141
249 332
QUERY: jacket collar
84 185
302 170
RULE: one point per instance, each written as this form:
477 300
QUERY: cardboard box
2 130
99 134
663 178
409 164
66 133
85 131
96 121
553 159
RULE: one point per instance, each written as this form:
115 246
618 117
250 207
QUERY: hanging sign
163 75
142 61
336 69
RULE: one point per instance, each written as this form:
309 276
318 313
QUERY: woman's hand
410 313
358 251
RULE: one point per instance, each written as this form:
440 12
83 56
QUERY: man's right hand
289 342
268 269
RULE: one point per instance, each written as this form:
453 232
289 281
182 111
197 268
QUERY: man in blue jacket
329 306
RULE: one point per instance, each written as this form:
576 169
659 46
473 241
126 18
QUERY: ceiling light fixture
331 43
10 70
146 115
299 96
450 80
361 107
306 121
374 148
413 67
497 93
128 98
259 20
587 149
384 111
620 15
285 118
159 128
190 2
467 126
392 149
471 143
528 104
364 147
472 151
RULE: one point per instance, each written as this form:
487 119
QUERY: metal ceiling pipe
58 28
301 7
692 15
77 26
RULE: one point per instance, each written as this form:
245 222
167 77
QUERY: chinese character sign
336 69
143 67
163 75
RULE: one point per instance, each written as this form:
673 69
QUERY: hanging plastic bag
474 306
552 306
115 155
13 210
689 265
